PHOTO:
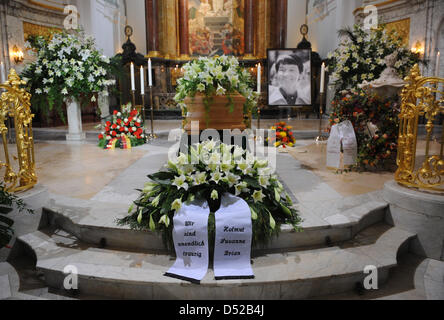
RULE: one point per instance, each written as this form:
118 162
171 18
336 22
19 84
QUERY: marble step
281 275
94 222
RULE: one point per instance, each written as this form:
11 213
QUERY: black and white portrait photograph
289 73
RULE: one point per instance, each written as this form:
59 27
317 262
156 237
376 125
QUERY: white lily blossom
180 182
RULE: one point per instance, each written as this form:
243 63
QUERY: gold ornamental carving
15 104
421 97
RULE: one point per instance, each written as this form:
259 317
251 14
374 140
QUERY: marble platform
290 275
345 230
421 213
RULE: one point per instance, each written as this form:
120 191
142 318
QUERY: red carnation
115 112
113 133
119 121
130 119
122 129
137 124
114 126
100 136
107 129
108 123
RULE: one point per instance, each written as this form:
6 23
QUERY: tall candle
259 78
2 73
133 85
142 80
438 56
150 75
322 77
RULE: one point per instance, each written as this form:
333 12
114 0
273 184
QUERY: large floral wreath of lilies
206 173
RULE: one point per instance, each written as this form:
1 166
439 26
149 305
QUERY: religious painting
317 10
289 72
216 27
30 29
402 28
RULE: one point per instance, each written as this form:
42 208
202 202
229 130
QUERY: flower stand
75 132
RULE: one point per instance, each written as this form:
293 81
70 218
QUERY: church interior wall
104 19
296 17
13 15
136 19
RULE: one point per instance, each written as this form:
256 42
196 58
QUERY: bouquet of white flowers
360 56
220 76
66 66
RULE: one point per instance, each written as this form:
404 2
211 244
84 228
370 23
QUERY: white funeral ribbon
334 148
343 135
349 143
232 252
190 236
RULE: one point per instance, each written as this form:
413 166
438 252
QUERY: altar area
221 150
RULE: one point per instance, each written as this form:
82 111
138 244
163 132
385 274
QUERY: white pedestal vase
75 133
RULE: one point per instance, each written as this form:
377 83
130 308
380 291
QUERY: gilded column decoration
152 27
279 33
183 30
419 98
15 103
168 28
249 29
262 28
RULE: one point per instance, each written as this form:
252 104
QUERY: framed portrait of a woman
289 77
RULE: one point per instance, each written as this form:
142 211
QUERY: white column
75 133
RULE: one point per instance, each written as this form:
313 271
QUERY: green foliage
364 109
7 202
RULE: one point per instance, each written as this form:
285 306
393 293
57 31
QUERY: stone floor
81 171
84 171
165 125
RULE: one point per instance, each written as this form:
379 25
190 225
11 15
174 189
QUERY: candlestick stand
320 137
133 95
258 136
143 113
258 117
152 136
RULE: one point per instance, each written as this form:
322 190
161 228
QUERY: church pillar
249 29
152 27
280 25
183 29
